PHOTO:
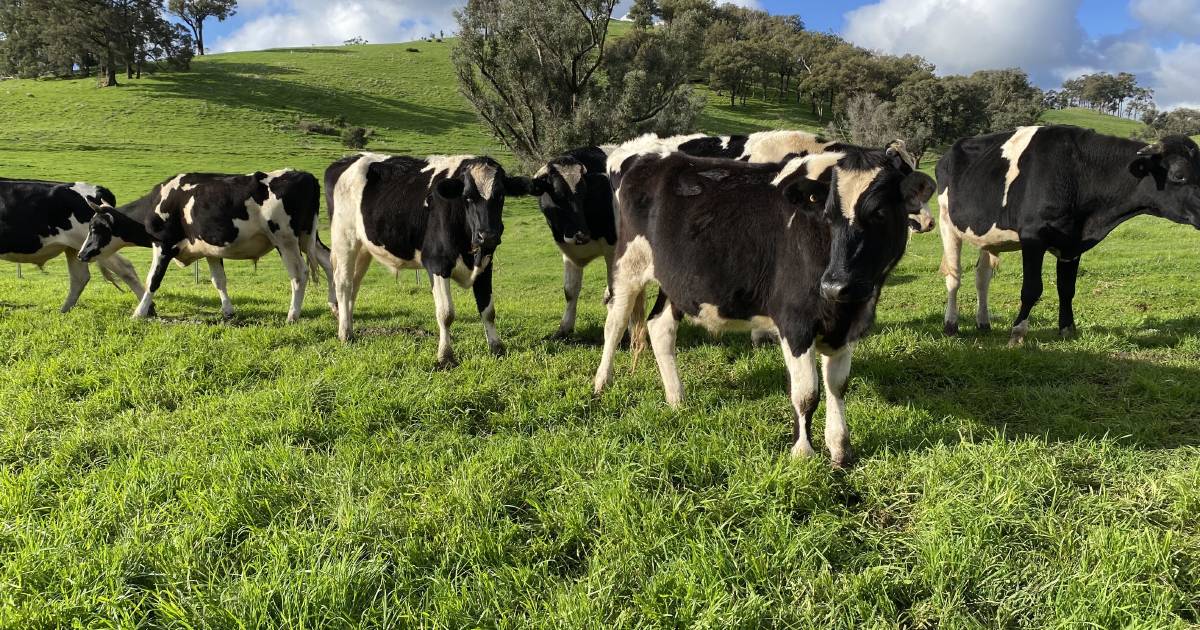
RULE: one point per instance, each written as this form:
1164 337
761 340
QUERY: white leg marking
951 263
80 274
488 317
157 263
663 330
632 272
443 304
836 370
293 263
805 394
216 269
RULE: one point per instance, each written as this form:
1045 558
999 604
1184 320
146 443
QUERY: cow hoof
153 311
561 335
950 329
984 327
498 349
801 450
844 461
1068 332
447 363
1018 334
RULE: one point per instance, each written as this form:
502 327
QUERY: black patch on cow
31 211
273 226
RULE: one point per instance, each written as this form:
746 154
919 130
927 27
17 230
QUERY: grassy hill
196 472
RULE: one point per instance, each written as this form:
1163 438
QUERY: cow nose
834 290
487 239
581 238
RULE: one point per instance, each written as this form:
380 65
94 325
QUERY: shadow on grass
253 86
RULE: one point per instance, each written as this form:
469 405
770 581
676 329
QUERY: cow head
100 234
1173 164
481 185
562 189
872 195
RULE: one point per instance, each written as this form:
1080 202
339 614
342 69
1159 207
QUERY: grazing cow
40 220
217 217
806 252
576 196
1054 189
443 213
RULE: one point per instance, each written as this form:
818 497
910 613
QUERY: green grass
193 472
1103 123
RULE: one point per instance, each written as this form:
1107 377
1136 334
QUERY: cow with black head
803 247
441 213
1055 189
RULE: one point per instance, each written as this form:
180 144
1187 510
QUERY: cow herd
781 233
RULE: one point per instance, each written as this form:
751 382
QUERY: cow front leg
80 275
160 257
804 391
984 270
216 270
297 271
572 285
443 304
663 327
1068 272
485 302
609 268
1031 290
836 370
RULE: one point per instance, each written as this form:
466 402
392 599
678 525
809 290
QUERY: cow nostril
833 290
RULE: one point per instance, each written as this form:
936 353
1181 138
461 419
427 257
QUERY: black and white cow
441 213
575 193
1053 189
40 220
217 217
806 252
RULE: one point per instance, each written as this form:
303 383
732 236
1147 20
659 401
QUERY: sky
1053 40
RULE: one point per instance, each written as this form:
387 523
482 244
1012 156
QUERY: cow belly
249 248
996 239
583 254
710 318
390 260
36 258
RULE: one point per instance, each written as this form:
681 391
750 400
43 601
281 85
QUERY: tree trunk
200 37
110 70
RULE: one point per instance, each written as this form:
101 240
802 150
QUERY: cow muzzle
841 291
580 238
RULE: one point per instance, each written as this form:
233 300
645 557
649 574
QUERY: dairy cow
441 213
1054 189
802 246
40 220
217 217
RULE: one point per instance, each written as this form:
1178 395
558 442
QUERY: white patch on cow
572 174
816 164
465 276
447 164
851 184
646 145
542 172
710 318
1011 151
995 239
901 149
164 192
636 265
774 146
485 179
583 254
90 192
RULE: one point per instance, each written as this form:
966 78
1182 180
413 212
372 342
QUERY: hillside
197 472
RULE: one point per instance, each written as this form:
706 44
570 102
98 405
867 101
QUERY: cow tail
311 254
638 333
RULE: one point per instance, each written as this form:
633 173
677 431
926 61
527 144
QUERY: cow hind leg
293 262
663 327
120 267
951 268
805 394
1068 272
216 270
443 304
1031 290
345 259
572 285
628 287
836 370
80 275
320 254
984 271
160 258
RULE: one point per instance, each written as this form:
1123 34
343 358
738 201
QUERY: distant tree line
1119 94
102 37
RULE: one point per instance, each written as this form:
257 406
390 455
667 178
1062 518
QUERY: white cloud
1044 37
279 23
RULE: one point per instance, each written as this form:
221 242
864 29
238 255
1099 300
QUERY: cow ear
809 194
450 188
916 189
1148 160
520 186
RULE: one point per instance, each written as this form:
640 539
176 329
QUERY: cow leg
572 285
626 288
345 262
159 259
482 288
952 269
1068 271
609 267
80 274
984 270
836 370
123 269
443 304
216 270
293 262
1031 290
663 327
321 254
805 393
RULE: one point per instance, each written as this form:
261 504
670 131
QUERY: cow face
1174 165
562 189
868 211
481 184
100 234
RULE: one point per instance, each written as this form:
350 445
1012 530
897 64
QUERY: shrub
354 137
314 127
413 49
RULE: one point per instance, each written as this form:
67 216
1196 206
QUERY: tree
1011 100
195 12
544 79
642 13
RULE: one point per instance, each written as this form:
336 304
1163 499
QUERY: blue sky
1159 40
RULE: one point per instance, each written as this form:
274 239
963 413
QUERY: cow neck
130 221
1116 195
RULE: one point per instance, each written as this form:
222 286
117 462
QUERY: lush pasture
195 472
